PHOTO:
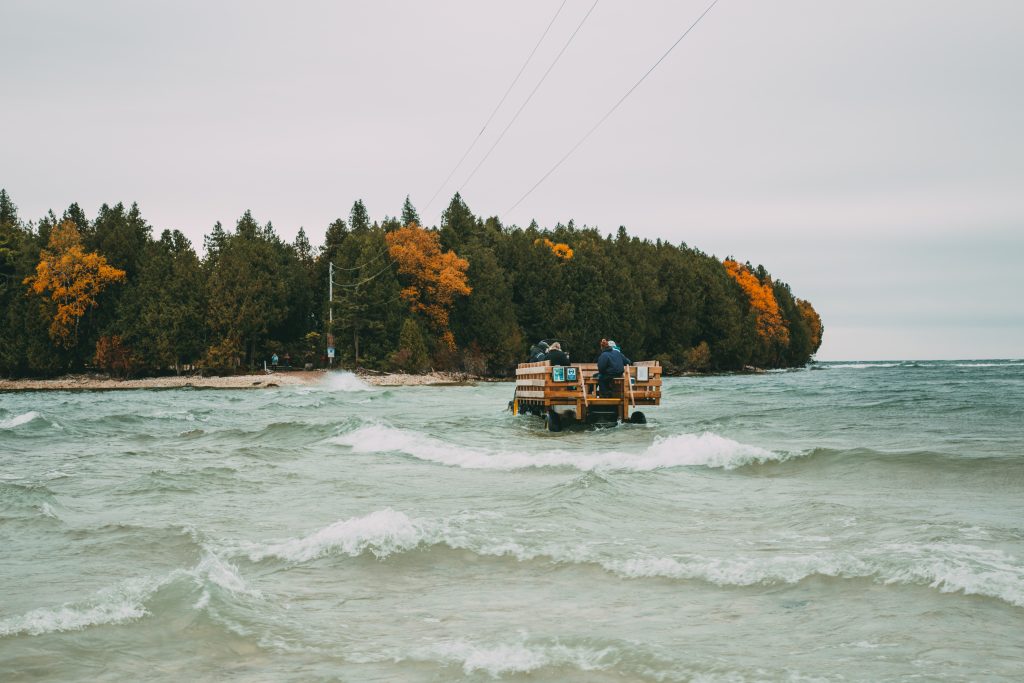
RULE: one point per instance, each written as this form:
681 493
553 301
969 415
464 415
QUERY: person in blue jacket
611 364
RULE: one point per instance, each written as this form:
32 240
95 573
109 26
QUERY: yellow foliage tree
562 251
73 277
436 277
770 326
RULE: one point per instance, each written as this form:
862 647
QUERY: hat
611 343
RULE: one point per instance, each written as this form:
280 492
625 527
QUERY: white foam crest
739 571
500 659
212 569
345 382
18 420
986 365
707 450
125 602
955 567
382 533
948 567
117 605
860 366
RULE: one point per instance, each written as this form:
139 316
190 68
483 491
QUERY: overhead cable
360 267
365 280
498 106
610 111
530 96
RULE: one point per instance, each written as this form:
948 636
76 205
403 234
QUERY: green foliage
409 214
252 294
411 355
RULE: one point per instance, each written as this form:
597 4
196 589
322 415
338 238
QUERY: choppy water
857 522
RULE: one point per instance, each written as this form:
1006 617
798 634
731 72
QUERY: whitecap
126 601
860 366
499 659
382 533
117 605
19 420
986 365
344 382
706 450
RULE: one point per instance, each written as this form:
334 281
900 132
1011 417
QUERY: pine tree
409 214
359 218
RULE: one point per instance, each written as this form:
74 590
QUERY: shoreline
270 380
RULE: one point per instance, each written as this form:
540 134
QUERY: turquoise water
854 522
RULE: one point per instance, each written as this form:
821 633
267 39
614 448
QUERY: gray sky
869 153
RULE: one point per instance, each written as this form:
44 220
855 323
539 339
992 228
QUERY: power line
500 102
365 280
530 97
610 111
360 267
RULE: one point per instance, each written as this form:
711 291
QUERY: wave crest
948 567
127 601
345 382
682 450
23 419
382 533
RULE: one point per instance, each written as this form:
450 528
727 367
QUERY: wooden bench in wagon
558 393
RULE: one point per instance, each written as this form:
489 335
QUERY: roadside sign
330 352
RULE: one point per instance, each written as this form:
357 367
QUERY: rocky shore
259 381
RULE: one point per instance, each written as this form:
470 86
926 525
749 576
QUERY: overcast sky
870 154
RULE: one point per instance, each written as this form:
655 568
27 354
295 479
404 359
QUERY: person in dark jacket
556 355
611 364
537 352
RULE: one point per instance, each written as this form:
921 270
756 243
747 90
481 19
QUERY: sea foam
117 605
382 532
18 420
499 659
344 382
681 450
126 601
947 567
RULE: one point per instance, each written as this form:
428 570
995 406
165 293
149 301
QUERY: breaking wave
19 420
499 659
127 601
682 450
344 381
947 567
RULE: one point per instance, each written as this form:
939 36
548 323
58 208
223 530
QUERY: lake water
854 522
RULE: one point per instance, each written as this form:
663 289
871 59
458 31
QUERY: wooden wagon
560 393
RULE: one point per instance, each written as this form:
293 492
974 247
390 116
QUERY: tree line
470 294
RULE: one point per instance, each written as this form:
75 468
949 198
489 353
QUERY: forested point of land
471 295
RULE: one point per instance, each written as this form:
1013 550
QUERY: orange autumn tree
73 277
436 278
770 326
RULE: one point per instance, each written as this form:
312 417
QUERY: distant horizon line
913 360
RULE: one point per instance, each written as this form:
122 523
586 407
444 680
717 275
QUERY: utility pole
330 311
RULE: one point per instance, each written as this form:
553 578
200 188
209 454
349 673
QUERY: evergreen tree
168 328
409 214
359 218
458 225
